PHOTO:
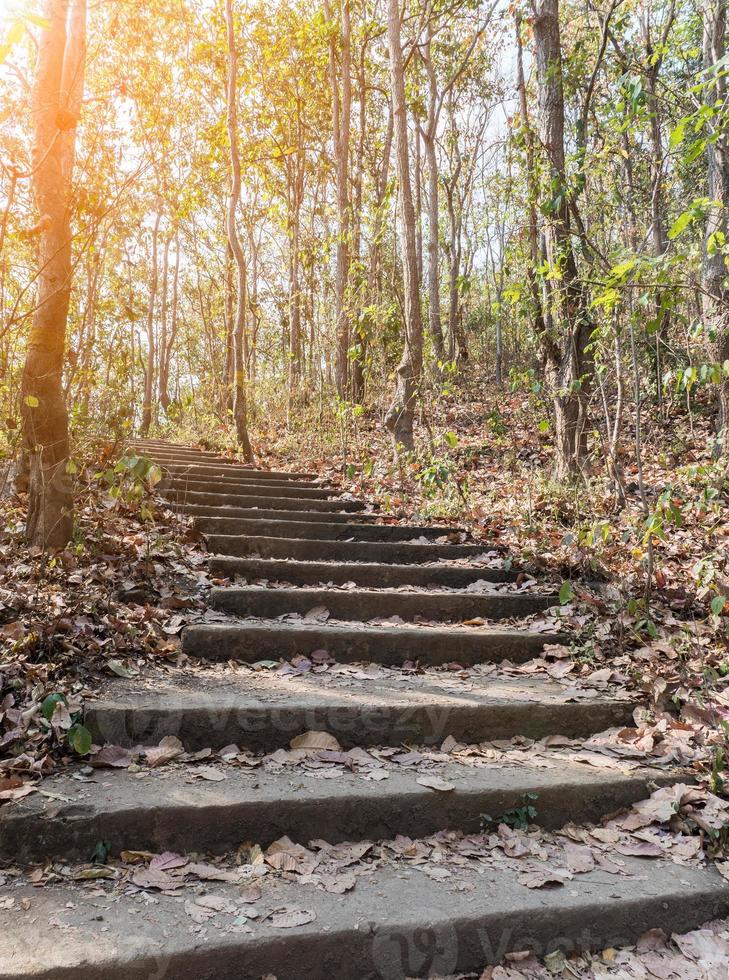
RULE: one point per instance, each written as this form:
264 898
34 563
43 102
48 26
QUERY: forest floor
114 603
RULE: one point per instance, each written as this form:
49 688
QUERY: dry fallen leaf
315 740
435 782
168 749
289 918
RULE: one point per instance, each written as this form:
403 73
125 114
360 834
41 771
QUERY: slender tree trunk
341 121
56 108
171 333
429 134
373 264
296 175
164 316
715 291
227 400
150 370
568 361
532 193
659 222
399 418
240 402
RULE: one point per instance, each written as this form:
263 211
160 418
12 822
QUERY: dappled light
364 482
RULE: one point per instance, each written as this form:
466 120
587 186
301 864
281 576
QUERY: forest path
365 813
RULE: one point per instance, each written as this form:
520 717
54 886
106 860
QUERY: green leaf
717 605
79 738
543 426
566 594
677 134
451 439
49 705
680 224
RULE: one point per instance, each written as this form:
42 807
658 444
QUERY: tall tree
151 366
715 289
56 106
566 347
240 401
341 30
399 418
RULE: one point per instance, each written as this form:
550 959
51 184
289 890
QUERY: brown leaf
316 740
289 918
435 782
168 749
113 756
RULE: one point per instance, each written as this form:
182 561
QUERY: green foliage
131 480
519 817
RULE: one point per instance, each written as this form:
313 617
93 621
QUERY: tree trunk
56 107
149 371
534 256
568 362
373 264
240 401
715 291
164 316
429 134
170 334
659 230
399 418
341 123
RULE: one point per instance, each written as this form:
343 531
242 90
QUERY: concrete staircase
317 574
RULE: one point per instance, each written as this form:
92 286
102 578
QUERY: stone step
254 499
232 471
264 711
364 604
395 923
319 530
186 476
264 489
386 552
171 810
362 573
305 517
174 456
252 640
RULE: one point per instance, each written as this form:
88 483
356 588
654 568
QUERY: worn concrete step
362 573
230 475
252 640
319 530
305 517
365 604
233 471
255 499
173 811
302 549
396 923
264 711
217 487
185 457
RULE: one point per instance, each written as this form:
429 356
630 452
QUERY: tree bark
715 298
171 333
240 399
533 232
341 125
56 107
568 361
399 418
429 134
150 370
